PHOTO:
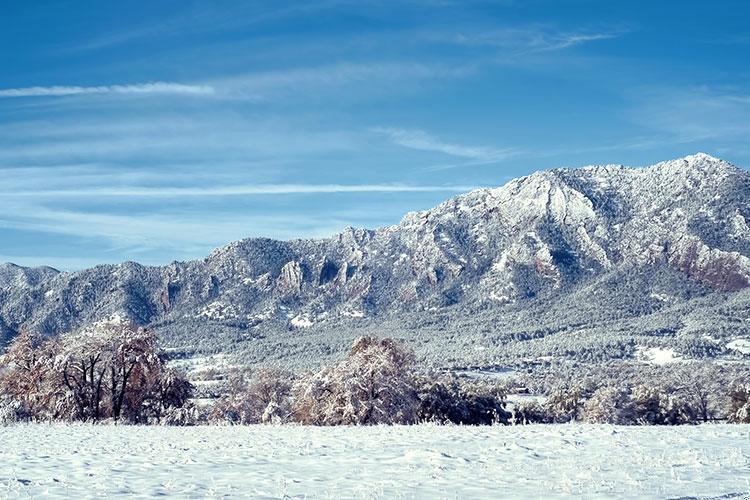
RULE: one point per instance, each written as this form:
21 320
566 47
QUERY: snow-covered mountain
669 234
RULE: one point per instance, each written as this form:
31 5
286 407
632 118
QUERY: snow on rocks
218 311
301 321
353 313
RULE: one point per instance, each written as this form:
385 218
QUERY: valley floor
376 462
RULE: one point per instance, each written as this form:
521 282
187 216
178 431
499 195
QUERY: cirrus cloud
138 88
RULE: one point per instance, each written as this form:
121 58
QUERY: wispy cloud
369 77
422 141
572 39
532 39
159 237
139 88
694 114
172 232
731 39
204 18
179 213
212 136
269 189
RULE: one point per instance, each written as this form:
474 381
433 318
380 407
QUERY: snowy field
382 462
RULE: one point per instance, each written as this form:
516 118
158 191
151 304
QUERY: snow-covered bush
610 405
459 401
264 398
13 411
439 401
739 403
530 412
677 393
185 415
564 404
647 404
373 385
663 405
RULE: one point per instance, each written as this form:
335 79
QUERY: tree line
118 373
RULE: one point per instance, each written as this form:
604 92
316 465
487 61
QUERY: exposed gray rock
674 233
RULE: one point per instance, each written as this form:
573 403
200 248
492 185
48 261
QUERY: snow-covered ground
380 462
658 355
503 373
741 345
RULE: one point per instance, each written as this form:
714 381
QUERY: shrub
530 412
185 415
564 404
265 398
739 403
664 405
647 404
452 400
373 385
610 405
13 411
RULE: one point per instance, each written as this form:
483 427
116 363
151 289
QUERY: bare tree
104 371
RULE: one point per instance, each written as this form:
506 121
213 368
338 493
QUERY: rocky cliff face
536 237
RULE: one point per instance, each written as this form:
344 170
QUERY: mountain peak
702 157
670 230
699 162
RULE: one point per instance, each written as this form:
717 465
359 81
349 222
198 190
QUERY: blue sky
156 131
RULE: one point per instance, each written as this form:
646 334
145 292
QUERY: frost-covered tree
739 403
529 412
610 405
699 390
565 404
28 379
663 404
698 346
261 397
111 371
372 385
452 400
107 371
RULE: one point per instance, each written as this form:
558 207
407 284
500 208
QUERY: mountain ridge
534 239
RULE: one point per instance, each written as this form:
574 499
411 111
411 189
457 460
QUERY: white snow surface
218 310
544 461
301 322
741 345
658 355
